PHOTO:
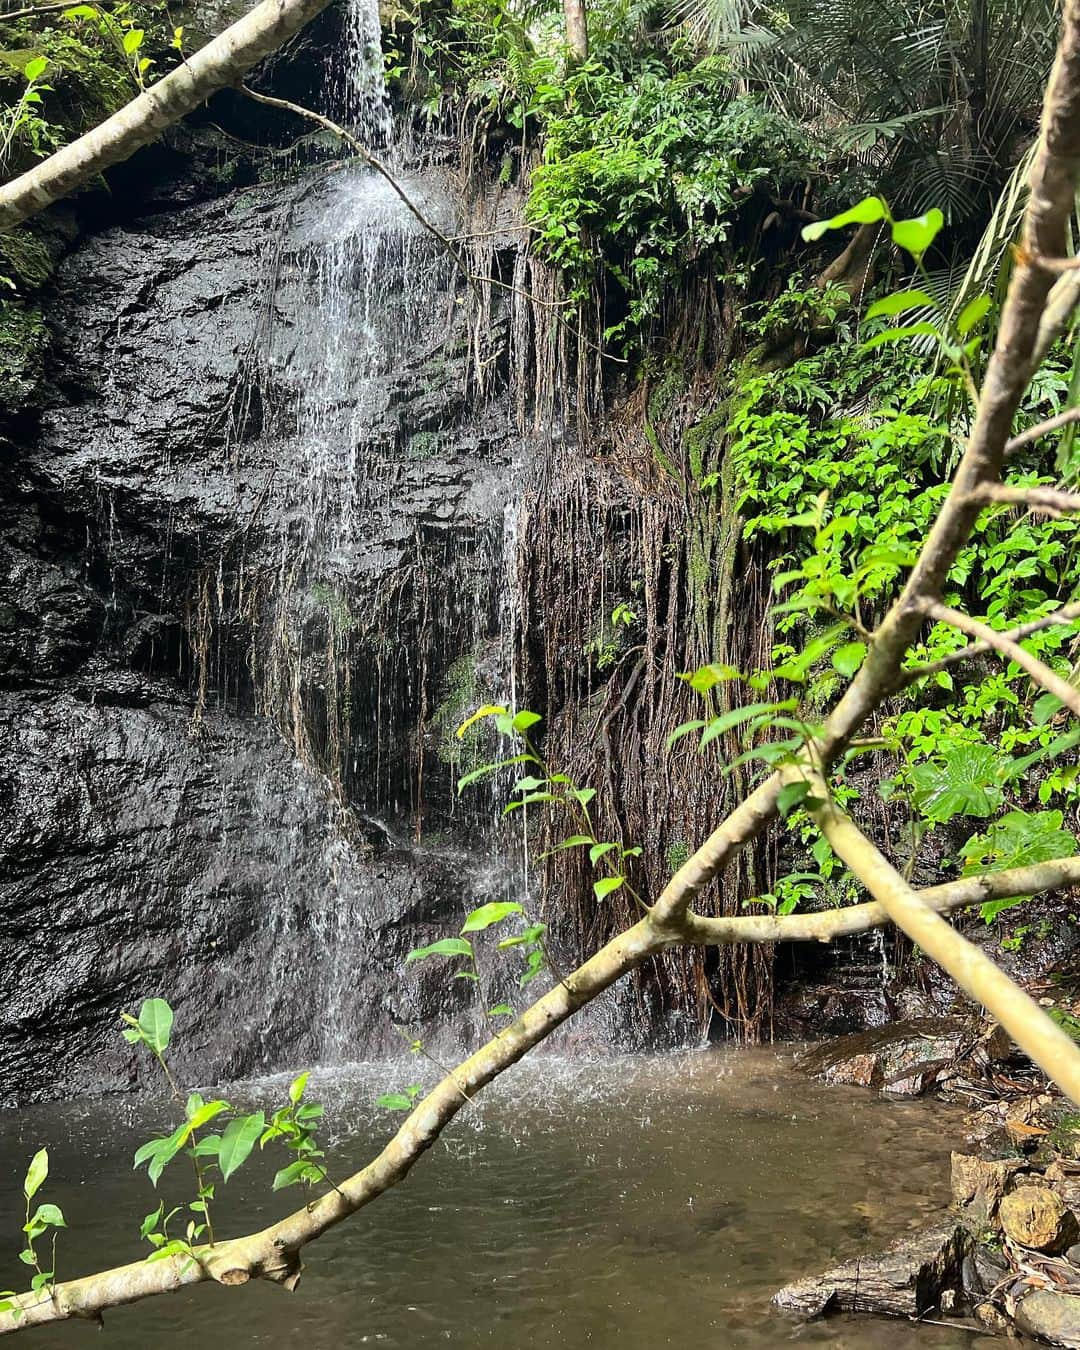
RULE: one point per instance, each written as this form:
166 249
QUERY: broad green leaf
917 234
909 330
964 782
896 304
501 1010
151 1221
298 1086
36 1173
706 677
972 312
848 658
607 886
391 1101
726 721
598 850
133 40
790 796
297 1171
490 914
51 1215
528 784
584 795
865 212
35 68
451 946
525 719
206 1112
1018 839
240 1137
155 1023
488 710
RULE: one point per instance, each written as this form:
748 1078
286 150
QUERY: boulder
918 1275
1037 1217
904 1059
1051 1316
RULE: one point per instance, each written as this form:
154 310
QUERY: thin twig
1067 614
1039 671
1052 500
1052 424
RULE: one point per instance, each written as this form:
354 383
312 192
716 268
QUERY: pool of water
619 1202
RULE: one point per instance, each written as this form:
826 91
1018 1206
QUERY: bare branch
1039 671
828 924
1053 501
1047 428
1065 615
976 974
221 62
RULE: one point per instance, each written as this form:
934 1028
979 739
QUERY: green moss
24 340
26 258
459 698
424 445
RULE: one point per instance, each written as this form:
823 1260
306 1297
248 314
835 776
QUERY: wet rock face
144 851
142 856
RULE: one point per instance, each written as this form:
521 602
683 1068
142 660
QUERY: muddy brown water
621 1202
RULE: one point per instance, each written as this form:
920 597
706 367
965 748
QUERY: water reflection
630 1203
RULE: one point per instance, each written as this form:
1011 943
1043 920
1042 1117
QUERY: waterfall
381 613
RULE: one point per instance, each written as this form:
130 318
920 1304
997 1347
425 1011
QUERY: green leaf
297 1171
790 796
133 40
726 721
848 658
488 710
35 68
392 1101
865 212
240 1137
501 1010
531 934
899 334
584 795
607 886
155 1023
36 1173
896 304
487 915
575 841
525 719
298 1085
51 1215
965 782
151 1221
444 947
972 312
917 234
598 850
1018 839
206 1112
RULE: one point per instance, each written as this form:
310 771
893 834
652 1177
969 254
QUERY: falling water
362 300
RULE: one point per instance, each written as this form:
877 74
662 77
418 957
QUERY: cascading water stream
360 298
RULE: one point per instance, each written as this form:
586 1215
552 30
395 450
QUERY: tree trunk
577 31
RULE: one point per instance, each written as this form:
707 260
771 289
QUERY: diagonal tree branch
979 977
1047 428
222 62
1067 614
1039 671
1052 500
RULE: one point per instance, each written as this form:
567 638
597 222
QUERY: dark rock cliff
160 833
